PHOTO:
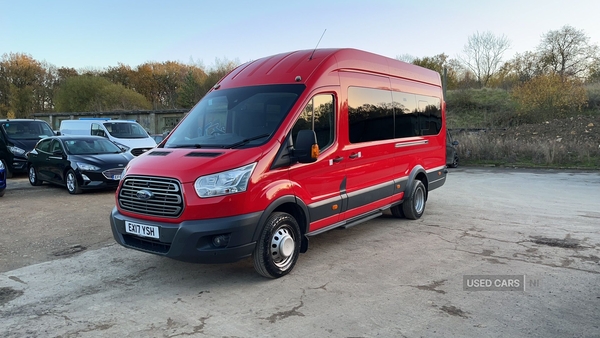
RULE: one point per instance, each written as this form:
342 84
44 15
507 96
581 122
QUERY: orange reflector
334 207
314 151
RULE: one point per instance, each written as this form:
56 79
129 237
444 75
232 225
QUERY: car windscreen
125 130
91 147
26 130
235 117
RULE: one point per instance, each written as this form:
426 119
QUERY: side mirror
306 149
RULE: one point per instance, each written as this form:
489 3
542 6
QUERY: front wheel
7 171
34 178
414 205
278 246
71 183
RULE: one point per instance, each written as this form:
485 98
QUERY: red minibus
284 148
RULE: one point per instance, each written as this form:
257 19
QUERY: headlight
87 167
225 183
2 165
16 151
122 146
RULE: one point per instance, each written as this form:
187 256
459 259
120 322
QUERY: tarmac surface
536 230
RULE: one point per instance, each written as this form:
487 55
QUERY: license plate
141 229
116 177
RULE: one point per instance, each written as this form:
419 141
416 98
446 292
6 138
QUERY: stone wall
154 121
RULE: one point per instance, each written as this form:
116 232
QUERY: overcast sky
97 34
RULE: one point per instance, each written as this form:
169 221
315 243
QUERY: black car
2 178
77 162
17 137
451 153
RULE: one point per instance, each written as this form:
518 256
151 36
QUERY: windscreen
125 130
236 117
26 130
91 147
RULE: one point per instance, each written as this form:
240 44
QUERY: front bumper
192 241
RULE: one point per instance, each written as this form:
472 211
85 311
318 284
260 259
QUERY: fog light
85 178
221 241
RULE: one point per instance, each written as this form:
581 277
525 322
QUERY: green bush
479 108
548 97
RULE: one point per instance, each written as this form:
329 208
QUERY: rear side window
376 114
319 116
370 114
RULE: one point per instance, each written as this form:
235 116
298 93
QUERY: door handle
338 159
356 155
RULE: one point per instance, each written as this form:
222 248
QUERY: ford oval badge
144 195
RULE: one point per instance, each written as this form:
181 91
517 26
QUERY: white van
127 134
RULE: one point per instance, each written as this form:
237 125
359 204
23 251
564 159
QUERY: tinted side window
370 114
318 115
430 115
406 121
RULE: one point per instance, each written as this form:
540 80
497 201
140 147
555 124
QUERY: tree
568 52
483 55
548 96
21 79
438 63
94 93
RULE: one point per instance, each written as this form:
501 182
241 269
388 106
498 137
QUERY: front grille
153 196
146 244
139 151
110 173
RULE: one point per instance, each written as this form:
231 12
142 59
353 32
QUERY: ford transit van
127 134
284 148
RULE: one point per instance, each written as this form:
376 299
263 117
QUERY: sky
97 34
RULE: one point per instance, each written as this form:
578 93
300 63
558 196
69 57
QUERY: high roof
286 67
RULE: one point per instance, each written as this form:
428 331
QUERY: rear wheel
34 179
278 246
71 183
414 205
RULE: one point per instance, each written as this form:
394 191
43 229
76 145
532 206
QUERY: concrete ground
383 278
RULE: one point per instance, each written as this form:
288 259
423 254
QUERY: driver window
55 146
318 115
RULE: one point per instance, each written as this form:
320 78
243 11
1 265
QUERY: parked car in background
128 135
17 137
2 179
77 162
451 152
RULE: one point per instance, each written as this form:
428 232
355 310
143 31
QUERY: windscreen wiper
245 141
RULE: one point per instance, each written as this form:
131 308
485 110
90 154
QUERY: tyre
278 246
454 163
71 183
7 171
34 178
414 205
2 193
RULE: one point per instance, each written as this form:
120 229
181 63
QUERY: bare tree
483 55
568 52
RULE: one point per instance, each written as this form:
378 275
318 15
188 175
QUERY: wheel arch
417 173
289 204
